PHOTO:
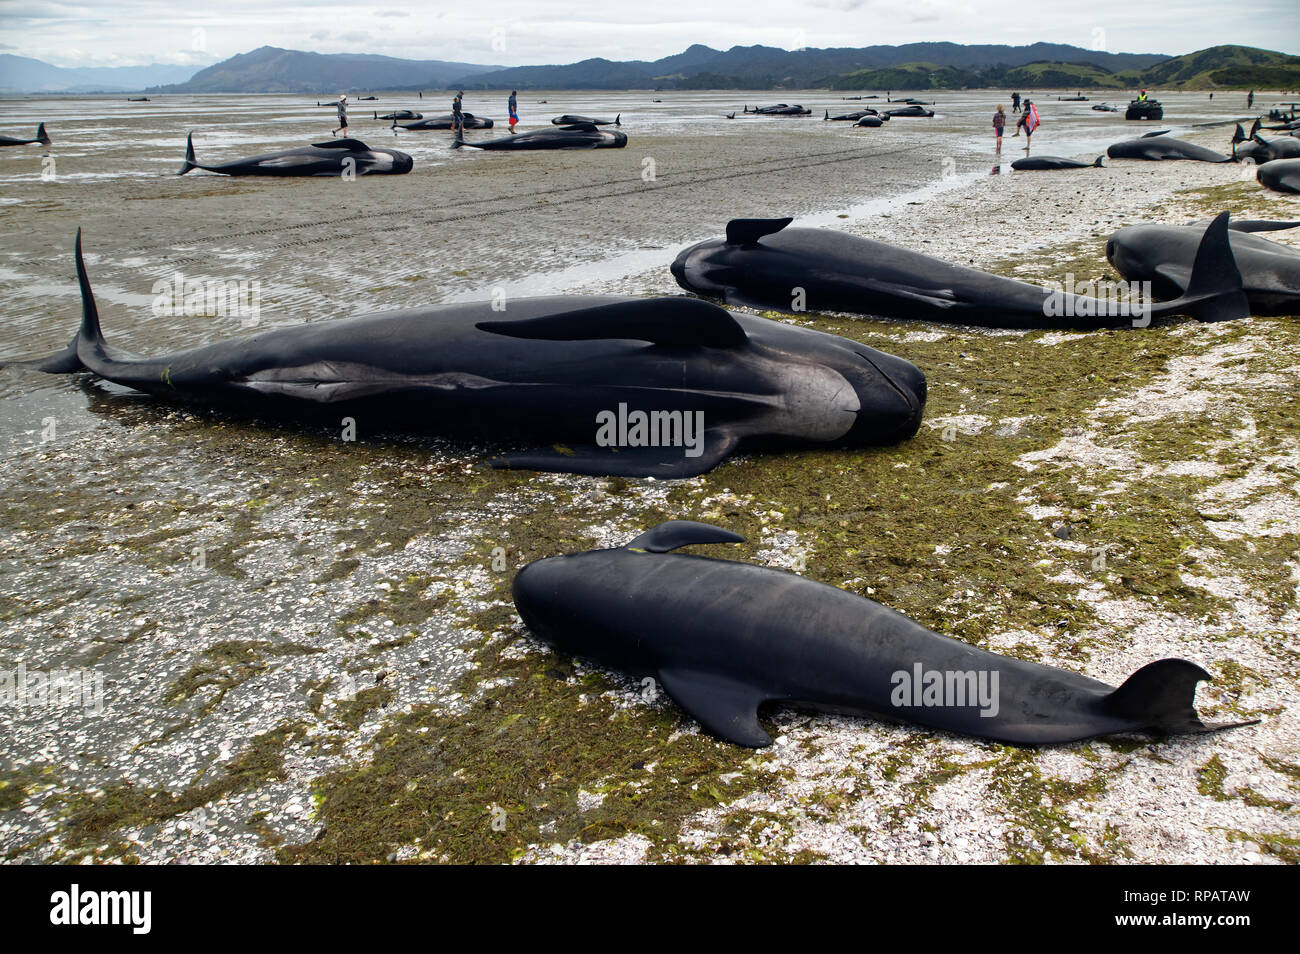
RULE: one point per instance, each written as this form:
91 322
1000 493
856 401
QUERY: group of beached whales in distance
721 637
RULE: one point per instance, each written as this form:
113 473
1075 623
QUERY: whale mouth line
902 392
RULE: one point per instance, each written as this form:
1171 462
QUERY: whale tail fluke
189 163
1097 164
41 136
1162 696
90 330
1214 289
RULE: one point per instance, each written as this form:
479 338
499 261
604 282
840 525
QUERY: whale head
574 604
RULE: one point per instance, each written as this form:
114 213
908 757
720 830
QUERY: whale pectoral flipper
664 321
725 707
672 534
661 462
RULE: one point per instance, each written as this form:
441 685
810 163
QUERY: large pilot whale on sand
725 638
333 157
762 263
662 387
1164 255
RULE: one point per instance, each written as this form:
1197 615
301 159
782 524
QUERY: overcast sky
517 32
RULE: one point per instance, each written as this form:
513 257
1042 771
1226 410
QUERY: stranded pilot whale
636 387
1280 175
333 157
1029 163
1159 146
568 119
1163 255
446 121
724 638
763 264
41 137
584 136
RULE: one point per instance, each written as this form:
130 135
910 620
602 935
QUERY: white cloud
561 31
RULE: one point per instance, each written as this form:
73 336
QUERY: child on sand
999 123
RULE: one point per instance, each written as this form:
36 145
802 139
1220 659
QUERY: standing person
1031 122
1250 99
343 116
1015 103
999 123
513 106
457 117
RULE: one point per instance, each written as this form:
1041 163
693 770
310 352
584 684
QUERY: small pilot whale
446 121
41 137
1280 175
1160 146
402 114
333 157
581 136
724 638
568 119
636 387
763 264
1030 163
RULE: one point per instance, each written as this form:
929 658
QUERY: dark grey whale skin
328 158
724 638
1048 163
760 262
538 374
1163 147
584 136
1280 175
446 121
41 138
1163 255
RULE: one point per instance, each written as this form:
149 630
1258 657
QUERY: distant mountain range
913 66
269 69
1220 67
21 74
766 67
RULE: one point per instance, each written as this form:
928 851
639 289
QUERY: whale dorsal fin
681 533
688 322
749 231
725 707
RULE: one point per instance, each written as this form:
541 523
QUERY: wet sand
347 640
